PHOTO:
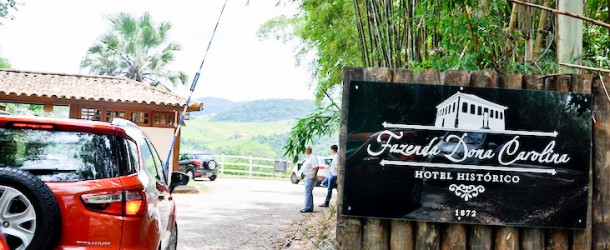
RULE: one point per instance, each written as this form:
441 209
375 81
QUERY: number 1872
465 213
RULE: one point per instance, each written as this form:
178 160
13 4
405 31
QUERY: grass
201 131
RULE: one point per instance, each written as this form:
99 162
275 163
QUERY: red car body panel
84 228
81 226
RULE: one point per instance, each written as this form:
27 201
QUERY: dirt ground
241 213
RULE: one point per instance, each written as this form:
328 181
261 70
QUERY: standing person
310 170
332 178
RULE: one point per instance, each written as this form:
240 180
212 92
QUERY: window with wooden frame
110 115
91 114
163 119
140 118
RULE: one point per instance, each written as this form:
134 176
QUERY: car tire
173 238
28 195
191 174
213 178
294 179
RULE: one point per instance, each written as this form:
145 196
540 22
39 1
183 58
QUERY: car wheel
173 238
191 174
212 165
213 177
293 179
29 213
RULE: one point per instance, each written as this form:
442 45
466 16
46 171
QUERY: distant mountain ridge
254 111
213 105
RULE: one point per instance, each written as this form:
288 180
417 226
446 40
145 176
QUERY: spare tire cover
29 214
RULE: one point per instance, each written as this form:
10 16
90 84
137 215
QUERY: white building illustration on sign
468 111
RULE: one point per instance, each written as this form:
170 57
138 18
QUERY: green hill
263 139
201 134
213 105
259 128
265 110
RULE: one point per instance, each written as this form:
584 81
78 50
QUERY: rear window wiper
44 171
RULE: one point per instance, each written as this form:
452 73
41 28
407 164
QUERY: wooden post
401 232
508 237
376 234
532 238
557 239
533 82
349 230
427 235
401 235
453 236
480 237
601 164
581 239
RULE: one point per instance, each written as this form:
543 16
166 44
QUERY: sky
54 35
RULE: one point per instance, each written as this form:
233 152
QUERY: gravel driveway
238 213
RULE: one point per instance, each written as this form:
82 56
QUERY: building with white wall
470 112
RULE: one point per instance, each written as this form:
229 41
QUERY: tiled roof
86 87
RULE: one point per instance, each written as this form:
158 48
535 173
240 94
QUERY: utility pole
569 34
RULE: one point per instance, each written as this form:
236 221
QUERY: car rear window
204 157
59 155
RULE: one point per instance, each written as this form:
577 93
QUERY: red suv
68 183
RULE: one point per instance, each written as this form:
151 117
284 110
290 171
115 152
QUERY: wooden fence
355 233
249 166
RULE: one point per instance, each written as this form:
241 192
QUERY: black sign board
467 155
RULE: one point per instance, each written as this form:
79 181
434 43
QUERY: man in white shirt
310 170
332 177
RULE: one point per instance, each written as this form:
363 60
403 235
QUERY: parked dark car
199 165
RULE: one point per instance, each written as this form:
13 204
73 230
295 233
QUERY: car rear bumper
205 172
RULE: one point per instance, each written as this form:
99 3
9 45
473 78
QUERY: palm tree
132 49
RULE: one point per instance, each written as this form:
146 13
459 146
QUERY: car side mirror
178 179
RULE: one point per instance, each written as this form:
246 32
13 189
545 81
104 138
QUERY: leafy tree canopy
420 34
6 6
136 48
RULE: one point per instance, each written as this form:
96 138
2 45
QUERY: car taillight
32 125
197 163
134 203
127 202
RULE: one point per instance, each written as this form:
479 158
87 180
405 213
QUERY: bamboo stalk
554 11
361 38
541 24
475 44
584 67
511 29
